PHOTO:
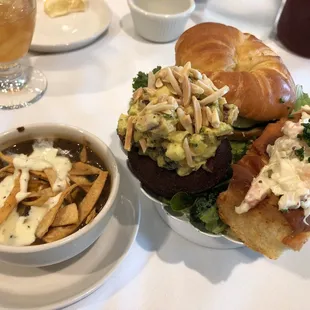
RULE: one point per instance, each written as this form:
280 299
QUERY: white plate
65 33
182 226
60 285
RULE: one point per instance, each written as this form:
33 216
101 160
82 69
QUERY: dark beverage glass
293 28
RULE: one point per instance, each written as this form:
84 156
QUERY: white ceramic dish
160 20
66 33
183 227
57 286
66 248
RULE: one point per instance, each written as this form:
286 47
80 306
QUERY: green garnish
141 79
281 100
238 149
302 98
300 153
181 201
284 210
305 133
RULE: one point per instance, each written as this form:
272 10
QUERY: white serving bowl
160 20
183 227
66 248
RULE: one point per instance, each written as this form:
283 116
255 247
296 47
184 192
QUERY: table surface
89 88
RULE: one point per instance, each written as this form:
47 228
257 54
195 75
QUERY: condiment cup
68 247
160 20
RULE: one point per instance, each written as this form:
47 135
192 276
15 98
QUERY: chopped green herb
167 116
300 153
305 133
284 210
281 100
142 78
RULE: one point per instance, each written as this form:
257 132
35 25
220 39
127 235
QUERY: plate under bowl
183 227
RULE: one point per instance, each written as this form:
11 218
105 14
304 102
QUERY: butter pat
56 8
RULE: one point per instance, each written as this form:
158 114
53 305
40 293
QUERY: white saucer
60 285
65 33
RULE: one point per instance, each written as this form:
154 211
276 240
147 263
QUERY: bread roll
260 84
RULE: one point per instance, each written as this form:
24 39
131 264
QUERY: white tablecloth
90 88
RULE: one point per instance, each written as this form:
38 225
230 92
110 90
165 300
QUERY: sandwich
259 82
267 204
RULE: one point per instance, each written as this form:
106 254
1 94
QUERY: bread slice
264 228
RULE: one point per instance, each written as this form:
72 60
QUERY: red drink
294 27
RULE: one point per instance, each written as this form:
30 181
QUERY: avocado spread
178 120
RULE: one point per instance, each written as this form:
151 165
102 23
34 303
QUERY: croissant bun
260 84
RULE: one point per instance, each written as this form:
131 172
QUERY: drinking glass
294 27
20 85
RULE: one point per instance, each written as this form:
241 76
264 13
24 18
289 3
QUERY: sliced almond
151 80
186 87
137 94
188 153
209 114
196 90
178 75
174 83
185 121
215 121
150 91
197 114
159 83
187 68
129 131
143 145
207 89
216 95
195 74
205 121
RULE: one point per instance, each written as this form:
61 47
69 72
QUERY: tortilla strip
91 216
51 214
6 158
45 191
80 180
36 203
39 174
5 171
67 215
83 154
10 203
36 185
80 168
85 207
51 176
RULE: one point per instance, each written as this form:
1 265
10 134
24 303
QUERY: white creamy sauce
285 175
20 230
42 157
6 187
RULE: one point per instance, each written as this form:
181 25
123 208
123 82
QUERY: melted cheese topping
20 230
42 157
285 175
